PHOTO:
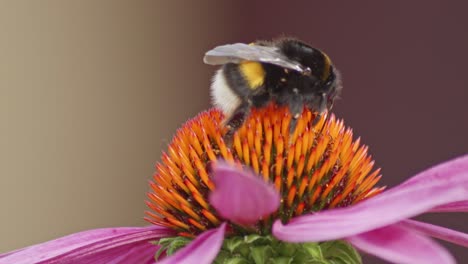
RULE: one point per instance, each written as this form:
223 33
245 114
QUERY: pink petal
441 171
461 206
203 249
443 184
241 196
400 245
116 245
439 232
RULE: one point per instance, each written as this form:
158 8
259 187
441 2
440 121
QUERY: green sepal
281 260
340 252
313 249
286 249
170 245
235 260
260 254
232 244
257 239
257 249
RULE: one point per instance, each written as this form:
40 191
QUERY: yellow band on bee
253 72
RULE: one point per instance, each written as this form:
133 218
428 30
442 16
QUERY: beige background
91 92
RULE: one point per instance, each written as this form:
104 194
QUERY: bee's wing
235 53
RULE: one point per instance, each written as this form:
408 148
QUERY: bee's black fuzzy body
287 72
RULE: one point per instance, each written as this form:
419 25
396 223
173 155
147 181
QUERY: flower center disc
317 167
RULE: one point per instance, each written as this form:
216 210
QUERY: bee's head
319 75
315 63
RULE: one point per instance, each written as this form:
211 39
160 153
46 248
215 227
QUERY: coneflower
273 197
316 168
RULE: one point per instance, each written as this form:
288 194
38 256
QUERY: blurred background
91 92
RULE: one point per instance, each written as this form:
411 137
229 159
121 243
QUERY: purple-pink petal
111 245
241 196
203 249
439 232
443 171
461 207
440 185
400 245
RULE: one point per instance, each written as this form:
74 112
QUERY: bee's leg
317 118
235 121
321 105
296 106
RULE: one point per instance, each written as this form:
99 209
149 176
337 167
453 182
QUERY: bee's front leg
296 106
317 103
236 120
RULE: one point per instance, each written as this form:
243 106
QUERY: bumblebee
286 71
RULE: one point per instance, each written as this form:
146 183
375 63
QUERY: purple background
404 73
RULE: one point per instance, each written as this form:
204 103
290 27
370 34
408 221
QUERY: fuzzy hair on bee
287 72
